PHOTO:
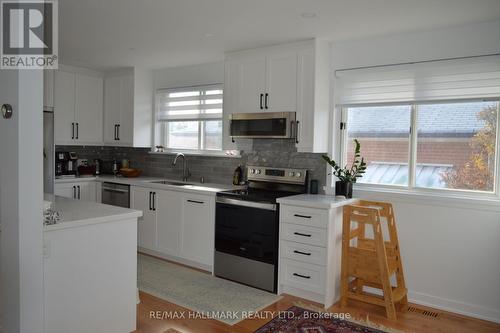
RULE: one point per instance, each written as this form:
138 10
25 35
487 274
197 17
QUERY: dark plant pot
343 188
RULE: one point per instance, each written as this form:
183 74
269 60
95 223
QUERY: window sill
234 154
488 202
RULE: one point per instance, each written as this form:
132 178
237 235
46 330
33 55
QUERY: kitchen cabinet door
112 100
169 220
64 107
126 128
198 228
281 82
249 78
89 104
146 225
87 191
66 190
48 89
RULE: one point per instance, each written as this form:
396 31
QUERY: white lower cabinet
176 225
309 255
85 191
198 228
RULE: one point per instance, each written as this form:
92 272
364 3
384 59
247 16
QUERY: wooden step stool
371 262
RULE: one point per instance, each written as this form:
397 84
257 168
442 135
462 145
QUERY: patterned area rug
300 320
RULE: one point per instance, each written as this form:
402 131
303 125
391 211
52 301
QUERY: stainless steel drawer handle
302 276
303 216
303 253
301 234
195 201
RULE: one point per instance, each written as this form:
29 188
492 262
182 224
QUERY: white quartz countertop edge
147 182
95 220
316 201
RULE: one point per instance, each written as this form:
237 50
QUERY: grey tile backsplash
265 152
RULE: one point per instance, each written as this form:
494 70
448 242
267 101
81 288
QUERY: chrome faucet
185 170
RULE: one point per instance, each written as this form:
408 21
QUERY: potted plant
347 175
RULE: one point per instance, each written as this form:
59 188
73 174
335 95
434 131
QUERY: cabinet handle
302 276
195 201
267 97
301 234
118 132
150 194
303 253
72 131
154 201
79 192
77 130
297 131
302 216
261 96
74 192
115 135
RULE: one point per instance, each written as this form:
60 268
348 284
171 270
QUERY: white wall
187 76
451 253
21 186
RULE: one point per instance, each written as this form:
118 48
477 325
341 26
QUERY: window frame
412 156
160 136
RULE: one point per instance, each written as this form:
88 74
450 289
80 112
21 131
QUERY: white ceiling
104 34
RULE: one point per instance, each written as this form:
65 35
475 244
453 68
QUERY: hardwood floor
408 321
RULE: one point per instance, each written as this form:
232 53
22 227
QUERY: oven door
248 232
264 125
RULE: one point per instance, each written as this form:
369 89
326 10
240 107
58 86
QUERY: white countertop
77 213
316 201
207 188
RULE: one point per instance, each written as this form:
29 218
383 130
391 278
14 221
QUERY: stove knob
291 174
252 171
257 171
298 175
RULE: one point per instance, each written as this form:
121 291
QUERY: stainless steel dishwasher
116 194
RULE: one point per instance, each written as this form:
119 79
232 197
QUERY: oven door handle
251 204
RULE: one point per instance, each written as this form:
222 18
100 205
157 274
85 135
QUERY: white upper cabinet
128 106
78 104
281 82
249 77
64 107
48 89
285 78
88 112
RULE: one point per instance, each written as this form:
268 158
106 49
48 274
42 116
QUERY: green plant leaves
352 173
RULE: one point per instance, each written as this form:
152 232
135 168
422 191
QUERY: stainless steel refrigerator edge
48 152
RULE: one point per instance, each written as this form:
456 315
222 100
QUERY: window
190 118
454 146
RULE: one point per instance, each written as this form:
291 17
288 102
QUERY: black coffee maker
66 164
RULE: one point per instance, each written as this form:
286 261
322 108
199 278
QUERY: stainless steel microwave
264 125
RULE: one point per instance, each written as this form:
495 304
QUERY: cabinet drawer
303 252
304 216
303 234
303 276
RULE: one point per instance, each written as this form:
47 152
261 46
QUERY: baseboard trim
466 309
181 261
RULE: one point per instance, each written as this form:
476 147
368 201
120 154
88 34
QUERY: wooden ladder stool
371 262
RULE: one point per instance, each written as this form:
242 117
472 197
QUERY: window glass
182 134
213 135
384 135
456 145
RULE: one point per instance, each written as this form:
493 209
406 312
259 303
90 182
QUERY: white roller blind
192 103
477 77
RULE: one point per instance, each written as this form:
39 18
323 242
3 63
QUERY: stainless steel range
247 226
